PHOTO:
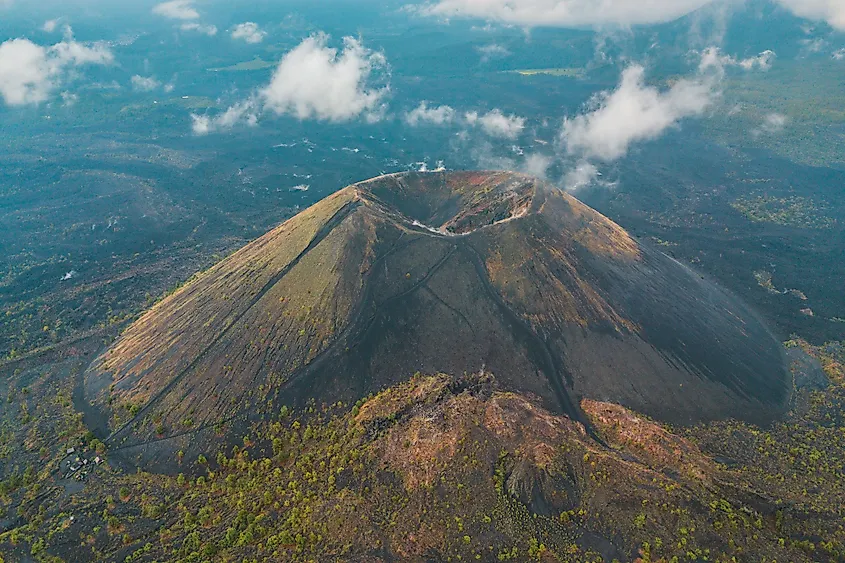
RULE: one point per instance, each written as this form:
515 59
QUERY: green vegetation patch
450 469
791 211
559 72
187 103
255 64
795 468
809 98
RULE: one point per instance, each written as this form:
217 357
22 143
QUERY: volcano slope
436 273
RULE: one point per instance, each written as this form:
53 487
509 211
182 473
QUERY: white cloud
313 81
492 51
772 124
566 13
210 30
50 25
249 32
814 45
201 124
184 11
422 114
713 57
638 112
317 81
69 99
486 157
839 55
584 174
177 10
69 52
145 83
599 13
494 123
497 124
29 73
536 165
831 11
241 113
763 61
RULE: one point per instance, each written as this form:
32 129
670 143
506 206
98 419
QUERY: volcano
441 272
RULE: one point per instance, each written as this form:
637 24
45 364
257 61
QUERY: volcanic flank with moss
444 272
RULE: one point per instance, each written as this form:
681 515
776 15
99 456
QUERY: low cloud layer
582 175
249 32
497 124
772 124
600 13
566 13
493 51
184 11
423 114
243 113
144 83
763 61
177 10
637 112
634 112
30 73
713 57
316 81
50 26
494 123
831 11
536 165
205 29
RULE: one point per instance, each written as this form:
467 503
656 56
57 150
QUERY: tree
98 446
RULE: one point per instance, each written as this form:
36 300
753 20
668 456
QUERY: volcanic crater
441 272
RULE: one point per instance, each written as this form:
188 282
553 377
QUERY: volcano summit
436 273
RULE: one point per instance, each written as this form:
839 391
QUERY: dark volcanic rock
807 371
437 272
